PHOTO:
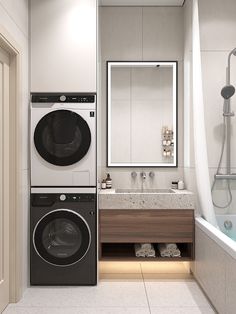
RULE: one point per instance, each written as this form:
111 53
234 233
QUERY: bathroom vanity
128 217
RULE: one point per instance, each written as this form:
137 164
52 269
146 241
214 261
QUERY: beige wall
14 18
136 34
218 38
189 168
63 45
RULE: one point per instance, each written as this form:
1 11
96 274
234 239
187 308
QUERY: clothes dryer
63 229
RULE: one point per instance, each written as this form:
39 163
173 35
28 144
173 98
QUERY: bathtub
226 239
215 262
227 224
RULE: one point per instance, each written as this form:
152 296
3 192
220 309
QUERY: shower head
228 91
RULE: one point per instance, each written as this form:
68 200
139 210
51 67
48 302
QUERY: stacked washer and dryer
63 211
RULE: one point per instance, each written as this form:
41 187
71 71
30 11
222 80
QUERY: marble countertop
181 199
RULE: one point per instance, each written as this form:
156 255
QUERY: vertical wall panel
63 45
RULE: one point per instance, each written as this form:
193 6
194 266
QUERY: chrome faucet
143 175
133 174
151 174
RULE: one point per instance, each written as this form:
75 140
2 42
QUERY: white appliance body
81 173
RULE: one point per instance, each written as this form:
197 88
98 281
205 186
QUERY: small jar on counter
181 185
174 185
104 185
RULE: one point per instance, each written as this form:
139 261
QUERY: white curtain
200 144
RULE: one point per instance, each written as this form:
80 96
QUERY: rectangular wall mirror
142 114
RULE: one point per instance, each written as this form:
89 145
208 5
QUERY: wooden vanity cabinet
120 229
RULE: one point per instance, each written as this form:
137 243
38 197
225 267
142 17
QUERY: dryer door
62 237
62 137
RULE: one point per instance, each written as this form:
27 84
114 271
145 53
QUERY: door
62 237
4 178
62 137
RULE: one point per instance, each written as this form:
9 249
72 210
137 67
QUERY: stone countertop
181 199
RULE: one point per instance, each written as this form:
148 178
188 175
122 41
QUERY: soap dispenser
108 181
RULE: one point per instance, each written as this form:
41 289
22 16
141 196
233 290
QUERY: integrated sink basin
145 199
156 191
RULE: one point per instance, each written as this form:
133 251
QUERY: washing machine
63 140
63 229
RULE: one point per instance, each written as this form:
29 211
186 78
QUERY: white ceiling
141 2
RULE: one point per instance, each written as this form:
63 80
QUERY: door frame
15 161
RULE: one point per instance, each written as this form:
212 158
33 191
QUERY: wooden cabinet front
140 226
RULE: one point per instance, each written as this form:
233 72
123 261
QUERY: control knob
62 98
62 197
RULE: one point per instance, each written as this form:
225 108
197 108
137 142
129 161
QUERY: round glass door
62 137
62 237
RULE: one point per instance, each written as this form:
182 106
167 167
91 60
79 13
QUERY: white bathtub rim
218 236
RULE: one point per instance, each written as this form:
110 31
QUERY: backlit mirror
142 114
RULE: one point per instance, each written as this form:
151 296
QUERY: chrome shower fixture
233 52
227 91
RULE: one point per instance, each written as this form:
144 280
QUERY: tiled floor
120 292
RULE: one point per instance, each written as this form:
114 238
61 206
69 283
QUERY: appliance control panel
62 98
50 199
76 197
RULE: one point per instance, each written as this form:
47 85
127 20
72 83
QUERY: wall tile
163 33
121 33
121 39
162 179
217 24
214 69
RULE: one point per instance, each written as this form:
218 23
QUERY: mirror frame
109 65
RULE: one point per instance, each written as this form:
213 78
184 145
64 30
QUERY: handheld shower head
228 91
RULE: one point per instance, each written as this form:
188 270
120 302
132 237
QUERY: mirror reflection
142 106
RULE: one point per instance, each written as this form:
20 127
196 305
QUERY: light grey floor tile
76 310
106 293
175 294
182 310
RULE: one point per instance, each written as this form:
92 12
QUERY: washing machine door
62 237
62 137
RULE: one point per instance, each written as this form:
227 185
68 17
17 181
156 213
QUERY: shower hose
217 172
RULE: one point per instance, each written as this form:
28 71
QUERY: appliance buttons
62 98
62 197
92 213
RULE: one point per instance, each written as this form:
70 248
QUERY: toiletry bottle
108 181
104 185
181 185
